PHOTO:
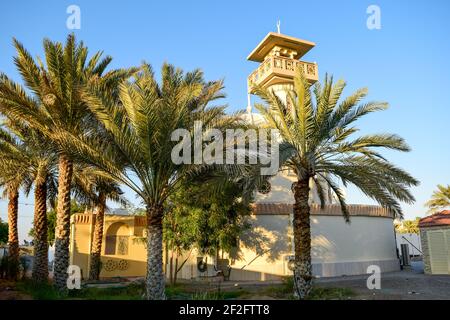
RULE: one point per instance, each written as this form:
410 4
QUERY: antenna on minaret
278 26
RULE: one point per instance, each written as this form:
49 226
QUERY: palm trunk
13 233
40 242
302 239
62 230
96 250
155 277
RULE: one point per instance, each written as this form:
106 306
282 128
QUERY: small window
122 245
110 247
116 245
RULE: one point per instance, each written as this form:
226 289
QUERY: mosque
338 248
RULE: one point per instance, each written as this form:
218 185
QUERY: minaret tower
279 56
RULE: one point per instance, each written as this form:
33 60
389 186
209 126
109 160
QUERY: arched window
117 239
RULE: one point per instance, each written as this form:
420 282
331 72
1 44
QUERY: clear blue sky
406 63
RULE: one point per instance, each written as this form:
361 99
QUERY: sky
405 62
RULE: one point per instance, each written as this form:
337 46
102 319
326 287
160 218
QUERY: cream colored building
338 248
435 238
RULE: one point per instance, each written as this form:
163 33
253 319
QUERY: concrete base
320 270
353 268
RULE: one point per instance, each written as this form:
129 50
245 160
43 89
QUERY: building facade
266 250
338 248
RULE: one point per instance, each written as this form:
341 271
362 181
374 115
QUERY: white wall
281 192
414 244
337 247
363 239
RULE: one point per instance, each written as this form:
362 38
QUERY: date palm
317 145
440 198
55 105
11 179
30 156
92 188
140 127
11 191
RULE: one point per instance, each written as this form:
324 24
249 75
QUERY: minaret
279 59
279 56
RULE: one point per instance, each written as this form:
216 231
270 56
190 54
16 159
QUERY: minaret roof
273 39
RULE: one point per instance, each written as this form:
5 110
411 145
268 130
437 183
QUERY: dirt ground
8 292
401 285
408 284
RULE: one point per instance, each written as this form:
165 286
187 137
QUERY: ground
404 285
409 284
8 291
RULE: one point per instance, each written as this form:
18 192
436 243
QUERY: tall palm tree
31 157
55 105
12 193
315 129
141 127
93 187
11 179
96 247
440 199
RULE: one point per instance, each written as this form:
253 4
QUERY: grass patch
46 291
186 292
322 293
176 292
41 291
281 291
226 295
135 291
285 291
130 292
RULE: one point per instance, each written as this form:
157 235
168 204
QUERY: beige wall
136 256
80 246
133 263
338 248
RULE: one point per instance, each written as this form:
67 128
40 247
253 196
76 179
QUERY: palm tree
96 248
316 145
408 226
30 154
30 157
11 190
140 127
11 179
93 187
440 198
55 105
